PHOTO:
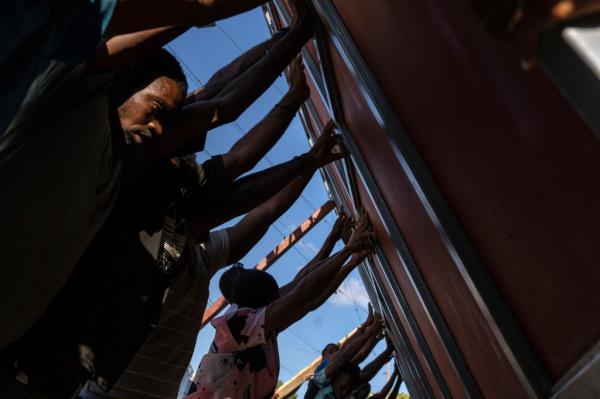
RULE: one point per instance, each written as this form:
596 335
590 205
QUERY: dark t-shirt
114 297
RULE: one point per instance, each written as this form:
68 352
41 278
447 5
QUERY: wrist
294 97
308 161
291 109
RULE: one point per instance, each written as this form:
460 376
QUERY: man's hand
302 16
358 257
359 240
347 229
298 87
336 230
323 152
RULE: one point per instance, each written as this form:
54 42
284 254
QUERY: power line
293 247
356 307
303 340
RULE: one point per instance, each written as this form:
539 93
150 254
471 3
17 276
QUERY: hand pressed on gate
318 285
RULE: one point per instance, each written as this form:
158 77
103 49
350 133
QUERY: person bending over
244 360
68 32
99 311
88 132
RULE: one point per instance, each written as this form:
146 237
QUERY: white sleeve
216 247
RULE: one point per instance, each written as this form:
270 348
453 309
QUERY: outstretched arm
136 15
369 371
246 233
220 79
119 51
345 353
365 350
198 117
315 288
250 191
332 238
392 381
253 146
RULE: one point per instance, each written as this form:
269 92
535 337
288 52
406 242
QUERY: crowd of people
110 239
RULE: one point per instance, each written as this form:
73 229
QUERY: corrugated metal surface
481 182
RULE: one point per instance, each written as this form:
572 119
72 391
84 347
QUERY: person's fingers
335 156
329 128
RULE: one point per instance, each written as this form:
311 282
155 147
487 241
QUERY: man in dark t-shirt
114 298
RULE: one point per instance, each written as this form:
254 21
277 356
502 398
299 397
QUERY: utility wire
303 340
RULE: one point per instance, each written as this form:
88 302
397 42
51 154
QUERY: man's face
147 112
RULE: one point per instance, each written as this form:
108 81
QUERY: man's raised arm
136 15
201 116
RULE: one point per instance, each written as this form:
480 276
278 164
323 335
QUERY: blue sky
204 51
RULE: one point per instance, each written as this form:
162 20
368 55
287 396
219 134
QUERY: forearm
369 371
327 246
293 306
382 394
225 75
199 117
136 15
246 88
246 194
245 234
253 146
254 189
121 50
359 356
319 280
309 267
346 352
332 287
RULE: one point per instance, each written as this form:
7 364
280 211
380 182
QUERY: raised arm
392 381
365 350
250 191
338 359
369 371
315 288
246 233
371 318
199 117
332 238
253 146
220 79
136 15
119 51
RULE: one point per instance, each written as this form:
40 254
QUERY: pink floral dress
242 363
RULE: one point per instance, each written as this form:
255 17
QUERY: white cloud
350 292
